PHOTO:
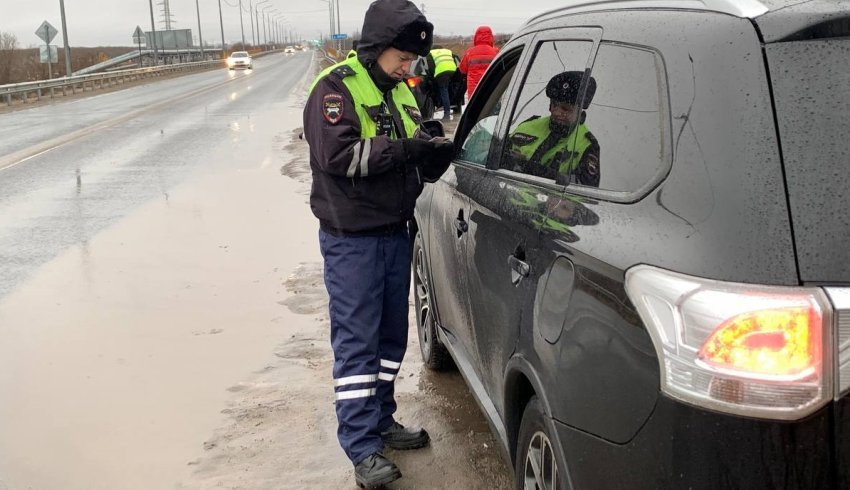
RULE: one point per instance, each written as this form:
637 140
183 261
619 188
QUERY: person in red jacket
477 58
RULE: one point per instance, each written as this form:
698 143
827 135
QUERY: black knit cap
415 38
564 87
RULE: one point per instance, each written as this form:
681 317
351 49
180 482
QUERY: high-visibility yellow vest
366 94
443 61
569 149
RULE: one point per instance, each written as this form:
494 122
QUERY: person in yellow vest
370 159
559 146
442 63
353 51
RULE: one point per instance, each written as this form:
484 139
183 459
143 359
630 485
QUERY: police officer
369 160
443 66
559 146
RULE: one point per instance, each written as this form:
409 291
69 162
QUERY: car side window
476 145
548 136
626 116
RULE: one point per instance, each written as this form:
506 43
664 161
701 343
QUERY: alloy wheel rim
541 470
423 301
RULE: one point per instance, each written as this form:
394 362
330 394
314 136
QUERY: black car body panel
793 20
532 292
811 83
682 447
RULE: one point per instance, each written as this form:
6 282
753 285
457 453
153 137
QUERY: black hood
393 23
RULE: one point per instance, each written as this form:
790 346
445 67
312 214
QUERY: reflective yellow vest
443 61
529 135
366 94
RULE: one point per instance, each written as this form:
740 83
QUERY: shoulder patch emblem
414 113
343 71
332 107
522 139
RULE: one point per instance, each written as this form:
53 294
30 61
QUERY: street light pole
65 40
153 33
241 24
251 21
200 36
257 18
221 23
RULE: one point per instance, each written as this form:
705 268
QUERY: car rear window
811 84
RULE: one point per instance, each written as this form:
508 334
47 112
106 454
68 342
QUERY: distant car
240 59
289 50
425 90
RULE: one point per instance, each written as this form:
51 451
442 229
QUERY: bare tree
8 56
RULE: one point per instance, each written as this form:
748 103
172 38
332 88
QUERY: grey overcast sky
112 22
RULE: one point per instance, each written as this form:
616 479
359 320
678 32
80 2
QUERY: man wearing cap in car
370 159
559 146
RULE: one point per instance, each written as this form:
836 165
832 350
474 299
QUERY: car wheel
434 353
536 463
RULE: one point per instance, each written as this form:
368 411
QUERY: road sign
46 32
48 50
339 36
139 36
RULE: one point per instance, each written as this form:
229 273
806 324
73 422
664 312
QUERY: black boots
398 436
375 471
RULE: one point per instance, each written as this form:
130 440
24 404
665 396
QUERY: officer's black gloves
432 156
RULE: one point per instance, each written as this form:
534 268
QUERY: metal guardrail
24 91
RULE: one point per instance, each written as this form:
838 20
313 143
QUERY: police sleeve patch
343 71
332 107
522 139
414 113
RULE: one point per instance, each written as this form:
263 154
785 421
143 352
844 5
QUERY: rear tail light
759 351
412 82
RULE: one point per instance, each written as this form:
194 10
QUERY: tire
435 356
534 446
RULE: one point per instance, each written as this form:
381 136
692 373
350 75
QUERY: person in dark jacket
559 146
370 159
477 58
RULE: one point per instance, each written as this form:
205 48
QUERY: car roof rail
739 8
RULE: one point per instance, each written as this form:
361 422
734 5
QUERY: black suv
654 290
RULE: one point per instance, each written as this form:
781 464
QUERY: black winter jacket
361 186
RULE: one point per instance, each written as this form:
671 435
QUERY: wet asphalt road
162 315
70 169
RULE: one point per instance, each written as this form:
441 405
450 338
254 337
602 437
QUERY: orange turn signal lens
779 342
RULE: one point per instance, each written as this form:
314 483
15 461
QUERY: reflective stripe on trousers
368 282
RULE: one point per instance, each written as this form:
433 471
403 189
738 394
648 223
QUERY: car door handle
461 225
519 269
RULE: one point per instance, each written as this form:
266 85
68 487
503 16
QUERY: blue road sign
339 36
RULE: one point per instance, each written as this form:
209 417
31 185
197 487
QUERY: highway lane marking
21 156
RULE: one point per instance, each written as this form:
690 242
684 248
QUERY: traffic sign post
47 32
139 38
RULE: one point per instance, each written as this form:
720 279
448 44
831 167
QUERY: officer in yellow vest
370 159
442 63
559 146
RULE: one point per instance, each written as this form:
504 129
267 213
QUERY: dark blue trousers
368 281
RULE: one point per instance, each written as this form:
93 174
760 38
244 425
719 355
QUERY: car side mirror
434 128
